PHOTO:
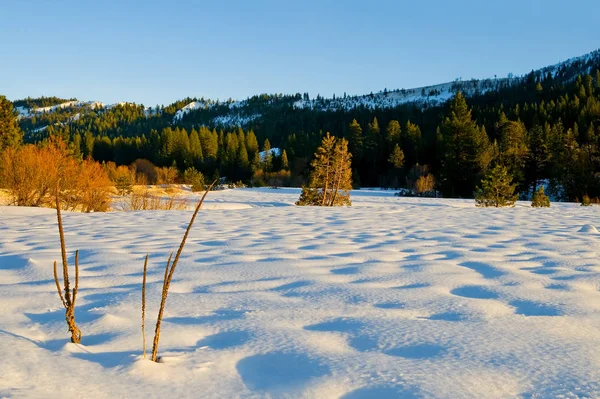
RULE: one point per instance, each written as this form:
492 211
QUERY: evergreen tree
497 189
397 160
410 141
88 144
268 157
331 176
355 139
284 161
393 131
466 150
513 149
195 148
76 145
537 157
256 163
397 157
242 156
251 144
373 144
540 199
10 132
195 178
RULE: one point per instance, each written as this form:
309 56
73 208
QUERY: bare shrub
166 175
91 190
277 179
141 199
70 296
145 171
30 173
425 185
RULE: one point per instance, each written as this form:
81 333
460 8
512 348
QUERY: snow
430 95
583 59
235 119
68 104
392 297
194 105
273 151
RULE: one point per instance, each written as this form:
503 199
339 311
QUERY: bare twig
169 275
144 306
62 299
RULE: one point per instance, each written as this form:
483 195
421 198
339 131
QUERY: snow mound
588 228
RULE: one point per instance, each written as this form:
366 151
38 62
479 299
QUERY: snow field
391 298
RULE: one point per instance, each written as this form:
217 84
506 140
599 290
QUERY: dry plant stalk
139 200
144 306
68 300
169 271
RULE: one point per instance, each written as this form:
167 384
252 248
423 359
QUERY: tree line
544 126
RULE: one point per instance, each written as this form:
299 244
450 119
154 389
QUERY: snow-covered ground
391 298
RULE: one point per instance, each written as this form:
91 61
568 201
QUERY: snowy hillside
432 95
392 298
240 113
25 112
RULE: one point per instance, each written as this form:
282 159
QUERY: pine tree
466 150
537 157
393 132
194 178
231 149
497 189
251 144
397 157
255 165
88 145
355 139
195 148
242 156
410 141
10 132
77 146
540 199
330 180
268 160
513 149
373 143
284 161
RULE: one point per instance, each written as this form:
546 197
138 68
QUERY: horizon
121 52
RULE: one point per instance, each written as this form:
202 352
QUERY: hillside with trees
543 127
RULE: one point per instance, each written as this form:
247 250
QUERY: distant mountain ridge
240 113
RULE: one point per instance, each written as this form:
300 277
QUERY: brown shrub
141 199
32 173
425 184
145 172
166 175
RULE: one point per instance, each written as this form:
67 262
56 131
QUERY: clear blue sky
155 52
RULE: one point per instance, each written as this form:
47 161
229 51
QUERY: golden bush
32 173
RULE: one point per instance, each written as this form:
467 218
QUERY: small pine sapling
540 199
497 189
586 201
